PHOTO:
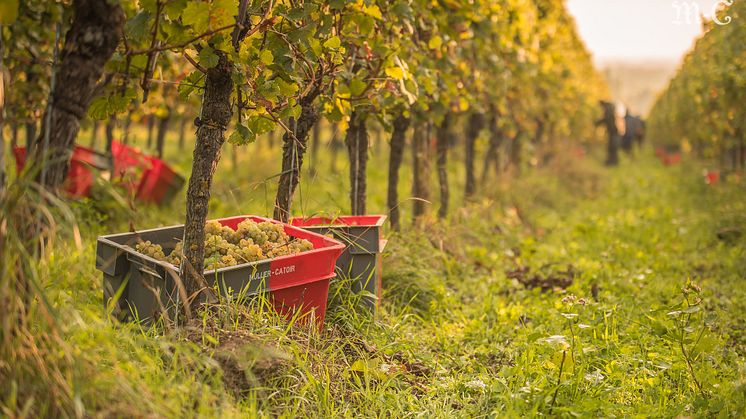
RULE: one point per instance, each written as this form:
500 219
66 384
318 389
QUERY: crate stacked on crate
140 286
361 260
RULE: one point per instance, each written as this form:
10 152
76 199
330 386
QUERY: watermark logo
689 12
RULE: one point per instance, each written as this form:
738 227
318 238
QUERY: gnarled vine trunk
93 36
109 133
492 156
357 149
151 126
160 138
396 155
315 145
474 126
214 119
293 150
516 151
443 137
182 133
94 133
334 145
420 170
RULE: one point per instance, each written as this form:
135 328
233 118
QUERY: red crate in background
80 175
129 165
148 178
672 159
712 177
159 183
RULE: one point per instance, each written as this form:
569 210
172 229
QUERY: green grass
456 335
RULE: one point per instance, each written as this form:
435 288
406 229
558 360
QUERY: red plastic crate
672 159
129 165
159 183
296 283
80 175
712 177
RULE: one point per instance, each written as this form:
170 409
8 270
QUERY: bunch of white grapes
153 250
224 247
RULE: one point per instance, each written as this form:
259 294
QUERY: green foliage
702 108
456 336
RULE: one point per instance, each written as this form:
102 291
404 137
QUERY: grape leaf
197 15
207 57
333 43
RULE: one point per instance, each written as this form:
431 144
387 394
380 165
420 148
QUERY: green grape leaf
357 87
286 88
207 57
197 15
333 43
435 42
259 124
98 108
266 57
241 135
8 11
373 11
137 29
173 8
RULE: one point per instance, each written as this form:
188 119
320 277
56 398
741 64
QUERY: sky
639 30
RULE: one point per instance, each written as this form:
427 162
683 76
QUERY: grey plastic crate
362 258
143 281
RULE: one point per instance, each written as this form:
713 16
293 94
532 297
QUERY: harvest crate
361 259
159 183
149 178
80 175
294 282
128 165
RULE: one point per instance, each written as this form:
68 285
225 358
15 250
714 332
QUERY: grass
572 291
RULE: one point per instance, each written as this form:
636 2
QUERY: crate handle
148 271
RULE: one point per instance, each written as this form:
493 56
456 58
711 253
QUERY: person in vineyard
634 132
613 121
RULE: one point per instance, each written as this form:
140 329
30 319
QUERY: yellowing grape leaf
373 11
395 72
333 43
266 57
197 15
8 11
